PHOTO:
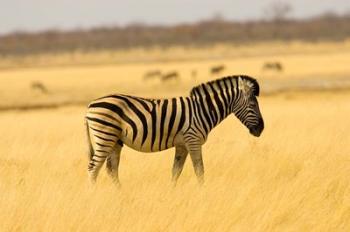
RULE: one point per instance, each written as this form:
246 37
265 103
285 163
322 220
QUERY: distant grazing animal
217 69
151 125
152 74
37 85
273 66
170 76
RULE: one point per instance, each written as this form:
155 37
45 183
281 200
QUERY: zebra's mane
256 88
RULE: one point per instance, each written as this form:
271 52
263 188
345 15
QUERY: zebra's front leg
179 161
197 161
112 164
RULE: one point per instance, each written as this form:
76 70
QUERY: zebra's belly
144 148
157 145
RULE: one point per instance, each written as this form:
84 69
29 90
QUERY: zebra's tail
91 149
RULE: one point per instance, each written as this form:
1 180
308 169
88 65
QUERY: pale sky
36 15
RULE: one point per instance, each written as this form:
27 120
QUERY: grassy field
295 177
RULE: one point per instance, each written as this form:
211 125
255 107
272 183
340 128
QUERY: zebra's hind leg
101 152
112 164
179 161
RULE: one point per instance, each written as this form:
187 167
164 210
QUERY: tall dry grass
295 177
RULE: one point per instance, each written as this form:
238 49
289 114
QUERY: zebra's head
246 106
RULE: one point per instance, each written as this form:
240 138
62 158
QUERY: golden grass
295 177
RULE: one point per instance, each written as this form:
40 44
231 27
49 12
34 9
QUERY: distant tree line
328 27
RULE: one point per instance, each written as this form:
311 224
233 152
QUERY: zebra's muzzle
257 130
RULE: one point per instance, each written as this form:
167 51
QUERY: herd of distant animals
214 71
40 87
174 75
151 125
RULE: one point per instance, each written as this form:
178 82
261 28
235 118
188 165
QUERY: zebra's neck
212 103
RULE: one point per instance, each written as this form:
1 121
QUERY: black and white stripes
151 125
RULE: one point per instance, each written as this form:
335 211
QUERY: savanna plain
294 177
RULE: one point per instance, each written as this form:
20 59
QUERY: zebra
151 125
